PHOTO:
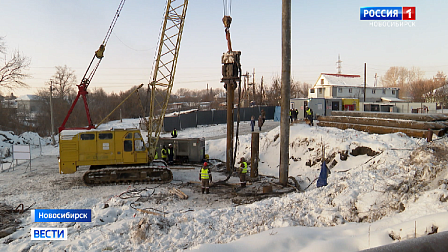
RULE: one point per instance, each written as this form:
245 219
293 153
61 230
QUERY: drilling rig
231 77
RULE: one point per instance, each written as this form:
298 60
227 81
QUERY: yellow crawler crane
114 156
121 155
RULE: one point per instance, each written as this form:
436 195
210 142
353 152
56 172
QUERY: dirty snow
397 193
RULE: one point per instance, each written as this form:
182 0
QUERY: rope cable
114 21
138 50
224 6
106 39
142 195
230 8
227 6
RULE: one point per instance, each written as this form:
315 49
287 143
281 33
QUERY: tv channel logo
49 234
61 215
387 13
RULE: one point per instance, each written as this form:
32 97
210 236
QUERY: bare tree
64 81
2 45
273 93
415 74
421 90
63 94
428 90
184 92
403 78
439 93
12 72
440 78
133 107
100 104
299 89
395 77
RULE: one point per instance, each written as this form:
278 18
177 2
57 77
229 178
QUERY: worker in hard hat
243 171
164 153
174 133
309 115
205 176
170 154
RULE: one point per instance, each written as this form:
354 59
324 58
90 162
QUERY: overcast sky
57 33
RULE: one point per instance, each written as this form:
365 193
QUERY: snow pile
382 189
8 139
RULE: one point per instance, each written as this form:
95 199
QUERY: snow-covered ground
396 193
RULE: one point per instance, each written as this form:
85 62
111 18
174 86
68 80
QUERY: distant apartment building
29 104
28 107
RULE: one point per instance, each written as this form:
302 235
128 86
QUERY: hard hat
205 163
170 145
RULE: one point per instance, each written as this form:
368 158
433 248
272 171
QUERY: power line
145 50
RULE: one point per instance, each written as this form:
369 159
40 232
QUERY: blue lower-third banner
61 215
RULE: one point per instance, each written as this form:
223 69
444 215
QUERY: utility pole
261 91
285 92
365 84
253 84
376 76
53 142
244 93
248 84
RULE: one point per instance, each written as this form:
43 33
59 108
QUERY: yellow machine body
100 148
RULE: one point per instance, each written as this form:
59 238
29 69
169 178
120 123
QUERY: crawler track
131 174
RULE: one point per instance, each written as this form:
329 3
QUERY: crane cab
100 148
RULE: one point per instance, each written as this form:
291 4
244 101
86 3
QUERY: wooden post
365 82
429 135
254 155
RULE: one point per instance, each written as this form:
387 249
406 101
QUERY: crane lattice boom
164 68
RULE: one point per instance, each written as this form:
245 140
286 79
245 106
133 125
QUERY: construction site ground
398 193
43 187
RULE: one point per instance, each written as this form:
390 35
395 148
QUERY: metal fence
195 118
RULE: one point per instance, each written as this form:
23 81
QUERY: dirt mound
9 219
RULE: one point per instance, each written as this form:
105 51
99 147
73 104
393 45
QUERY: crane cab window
127 145
139 145
87 136
128 136
138 142
105 136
